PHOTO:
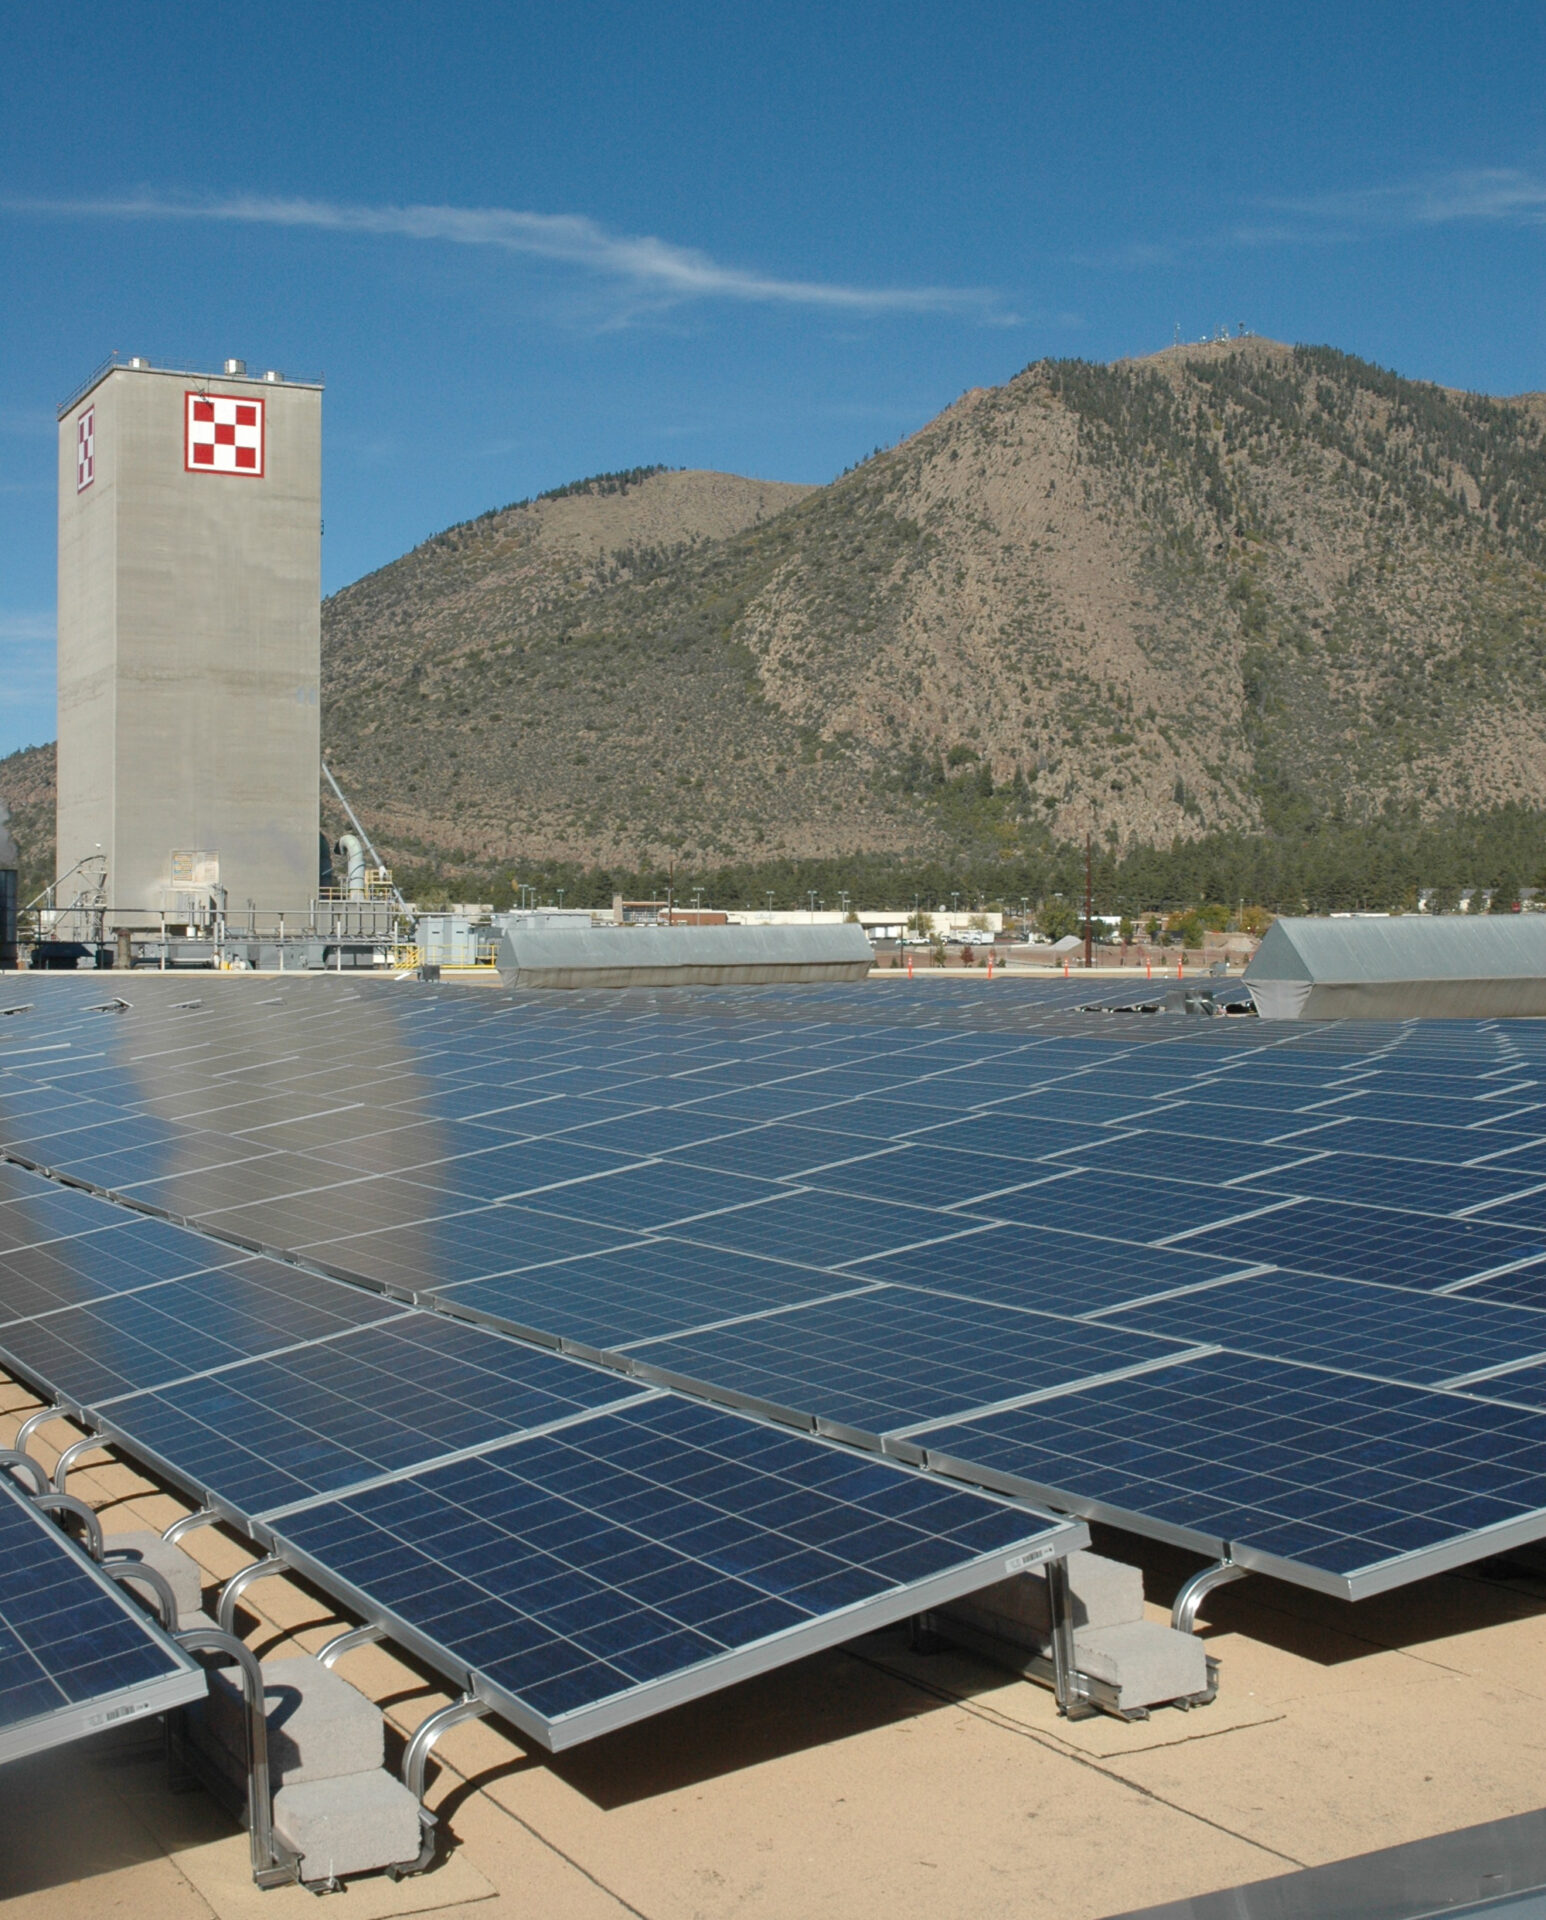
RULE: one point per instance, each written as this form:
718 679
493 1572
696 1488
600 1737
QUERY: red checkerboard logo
225 435
85 449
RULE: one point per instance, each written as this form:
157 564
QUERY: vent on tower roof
235 368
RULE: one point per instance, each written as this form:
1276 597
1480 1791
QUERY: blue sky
526 243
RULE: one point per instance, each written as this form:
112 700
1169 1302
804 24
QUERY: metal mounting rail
13 1460
201 1517
273 1864
415 1764
71 1454
1183 1615
35 1421
238 1583
342 1643
127 1571
68 1505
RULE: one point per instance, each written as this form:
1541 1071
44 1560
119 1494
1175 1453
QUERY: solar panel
588 1578
1123 1208
75 1654
91 1266
1348 1324
1045 1269
822 1229
1407 1185
276 1431
445 1249
1349 1485
926 1176
638 1293
652 1194
878 1362
1372 1243
161 1333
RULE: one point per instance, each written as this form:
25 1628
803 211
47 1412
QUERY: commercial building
189 643
1406 967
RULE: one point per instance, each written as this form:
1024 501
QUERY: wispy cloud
1497 195
26 629
646 264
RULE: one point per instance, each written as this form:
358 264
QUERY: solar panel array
583 1548
1276 1291
75 1655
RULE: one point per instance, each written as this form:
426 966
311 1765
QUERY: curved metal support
427 1733
416 1762
71 1454
341 1643
13 1460
188 1523
1183 1615
238 1583
66 1503
35 1421
272 1865
127 1571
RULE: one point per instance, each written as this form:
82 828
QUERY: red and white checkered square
225 435
85 449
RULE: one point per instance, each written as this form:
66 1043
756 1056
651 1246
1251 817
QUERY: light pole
811 896
769 892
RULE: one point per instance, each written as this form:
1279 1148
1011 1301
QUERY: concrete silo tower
189 641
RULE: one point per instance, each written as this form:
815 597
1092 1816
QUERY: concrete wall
189 647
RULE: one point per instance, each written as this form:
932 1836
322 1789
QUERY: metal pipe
13 1460
238 1583
342 1643
71 1454
416 1762
67 1504
1183 1615
188 1523
272 1865
123 1568
327 774
35 1421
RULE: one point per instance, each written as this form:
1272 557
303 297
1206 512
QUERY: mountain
1237 587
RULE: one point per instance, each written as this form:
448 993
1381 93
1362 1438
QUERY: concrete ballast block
181 1571
319 1727
355 1824
1103 1593
1147 1663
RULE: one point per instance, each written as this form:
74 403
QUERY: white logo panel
225 435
